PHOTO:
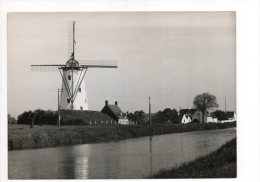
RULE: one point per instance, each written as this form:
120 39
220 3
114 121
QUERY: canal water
132 158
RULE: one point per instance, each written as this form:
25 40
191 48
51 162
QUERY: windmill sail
71 39
73 96
46 67
98 63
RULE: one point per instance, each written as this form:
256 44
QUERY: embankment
219 164
23 137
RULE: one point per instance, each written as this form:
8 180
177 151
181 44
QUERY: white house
211 118
185 118
194 114
188 115
123 120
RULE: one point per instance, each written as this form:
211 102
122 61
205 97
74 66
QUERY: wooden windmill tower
73 95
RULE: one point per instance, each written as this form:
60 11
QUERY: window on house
69 77
68 101
79 89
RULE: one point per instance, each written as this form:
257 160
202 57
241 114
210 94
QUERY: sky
169 56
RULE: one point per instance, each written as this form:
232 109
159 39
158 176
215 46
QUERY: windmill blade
46 67
71 38
98 63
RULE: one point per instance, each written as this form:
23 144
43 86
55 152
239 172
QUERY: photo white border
248 67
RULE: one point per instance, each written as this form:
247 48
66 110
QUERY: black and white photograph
129 91
121 95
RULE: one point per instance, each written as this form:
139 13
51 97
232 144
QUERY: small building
194 114
211 118
115 113
185 118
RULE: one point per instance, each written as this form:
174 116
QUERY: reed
24 137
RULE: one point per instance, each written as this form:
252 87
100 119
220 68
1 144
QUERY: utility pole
225 105
59 91
150 123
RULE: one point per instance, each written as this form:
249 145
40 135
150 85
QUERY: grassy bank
24 137
219 164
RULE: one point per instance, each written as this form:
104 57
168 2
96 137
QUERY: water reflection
134 158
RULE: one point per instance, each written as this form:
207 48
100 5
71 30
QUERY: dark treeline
167 116
220 115
38 117
139 116
41 117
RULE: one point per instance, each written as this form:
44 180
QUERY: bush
40 117
167 116
195 121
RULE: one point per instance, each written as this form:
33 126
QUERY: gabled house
115 113
185 118
194 114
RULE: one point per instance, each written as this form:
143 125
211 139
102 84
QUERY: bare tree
203 102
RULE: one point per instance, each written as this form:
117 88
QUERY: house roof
187 111
186 116
116 110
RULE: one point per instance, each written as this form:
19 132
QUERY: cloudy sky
170 56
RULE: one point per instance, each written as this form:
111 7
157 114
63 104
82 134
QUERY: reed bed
23 137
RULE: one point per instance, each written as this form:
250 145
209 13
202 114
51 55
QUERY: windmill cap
72 63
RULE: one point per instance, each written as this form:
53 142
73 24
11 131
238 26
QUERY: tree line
38 117
202 102
168 115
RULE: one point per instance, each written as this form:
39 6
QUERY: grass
23 137
219 164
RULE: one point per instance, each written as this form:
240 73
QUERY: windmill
73 95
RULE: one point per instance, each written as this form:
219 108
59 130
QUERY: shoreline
221 163
22 137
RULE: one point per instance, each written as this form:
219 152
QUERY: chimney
106 102
116 103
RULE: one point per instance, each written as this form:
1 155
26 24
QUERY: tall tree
203 102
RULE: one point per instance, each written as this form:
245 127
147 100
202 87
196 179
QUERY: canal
132 158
